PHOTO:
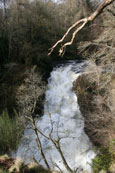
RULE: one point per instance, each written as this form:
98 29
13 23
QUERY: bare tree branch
39 145
43 134
100 44
58 147
55 164
49 137
39 142
82 24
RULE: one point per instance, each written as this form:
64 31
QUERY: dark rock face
95 106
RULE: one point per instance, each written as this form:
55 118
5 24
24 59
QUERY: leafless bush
96 96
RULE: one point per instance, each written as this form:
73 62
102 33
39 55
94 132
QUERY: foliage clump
105 158
10 131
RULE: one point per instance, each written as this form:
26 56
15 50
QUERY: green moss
3 171
105 158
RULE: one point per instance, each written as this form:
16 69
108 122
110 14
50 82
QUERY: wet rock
18 166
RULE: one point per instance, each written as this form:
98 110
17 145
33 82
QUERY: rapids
61 110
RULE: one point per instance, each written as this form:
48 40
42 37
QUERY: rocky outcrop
10 165
96 97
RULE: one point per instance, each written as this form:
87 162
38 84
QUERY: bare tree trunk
58 147
39 143
4 10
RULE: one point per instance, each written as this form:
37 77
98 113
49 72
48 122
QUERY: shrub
11 130
105 158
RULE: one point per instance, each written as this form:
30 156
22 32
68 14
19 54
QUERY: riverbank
96 97
20 87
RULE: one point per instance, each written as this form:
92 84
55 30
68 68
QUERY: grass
105 158
11 130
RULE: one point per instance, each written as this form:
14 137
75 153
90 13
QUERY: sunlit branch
82 24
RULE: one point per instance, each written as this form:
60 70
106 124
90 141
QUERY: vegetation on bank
96 94
105 159
27 31
11 130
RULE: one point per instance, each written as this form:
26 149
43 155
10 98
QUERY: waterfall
61 111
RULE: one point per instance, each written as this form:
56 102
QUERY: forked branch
82 24
38 142
39 145
49 137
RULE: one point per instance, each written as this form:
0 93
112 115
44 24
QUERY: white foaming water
61 108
